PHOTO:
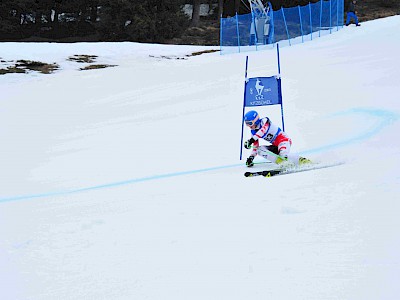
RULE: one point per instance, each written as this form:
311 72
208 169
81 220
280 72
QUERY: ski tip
247 174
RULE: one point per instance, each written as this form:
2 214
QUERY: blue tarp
288 26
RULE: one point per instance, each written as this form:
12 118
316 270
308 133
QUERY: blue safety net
286 26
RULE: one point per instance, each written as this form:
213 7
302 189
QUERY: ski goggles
253 122
250 123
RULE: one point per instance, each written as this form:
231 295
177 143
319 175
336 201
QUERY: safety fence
286 26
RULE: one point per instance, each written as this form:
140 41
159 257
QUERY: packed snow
126 183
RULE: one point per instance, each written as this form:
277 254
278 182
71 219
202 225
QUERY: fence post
309 7
337 15
237 29
287 31
330 16
220 35
301 24
320 20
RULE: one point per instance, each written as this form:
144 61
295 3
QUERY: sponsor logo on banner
258 93
260 102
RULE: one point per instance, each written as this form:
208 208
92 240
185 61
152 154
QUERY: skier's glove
247 144
249 161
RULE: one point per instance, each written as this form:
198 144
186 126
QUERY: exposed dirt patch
9 70
375 9
22 66
184 57
203 52
83 58
38 66
94 67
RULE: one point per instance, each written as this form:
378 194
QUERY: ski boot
304 161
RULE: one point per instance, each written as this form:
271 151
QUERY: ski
285 171
265 173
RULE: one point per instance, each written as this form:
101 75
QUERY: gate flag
261 91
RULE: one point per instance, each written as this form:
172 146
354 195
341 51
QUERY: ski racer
263 128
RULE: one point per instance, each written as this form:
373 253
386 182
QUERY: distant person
351 13
264 129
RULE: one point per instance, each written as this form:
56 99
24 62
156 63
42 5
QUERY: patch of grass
83 58
38 66
202 52
93 67
186 56
11 70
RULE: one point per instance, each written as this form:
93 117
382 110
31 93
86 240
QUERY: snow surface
125 182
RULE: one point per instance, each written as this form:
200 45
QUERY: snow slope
125 182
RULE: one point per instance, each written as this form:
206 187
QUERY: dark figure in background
351 13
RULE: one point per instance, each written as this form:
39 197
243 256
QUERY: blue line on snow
386 118
115 184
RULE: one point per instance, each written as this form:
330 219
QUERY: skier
351 13
263 128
